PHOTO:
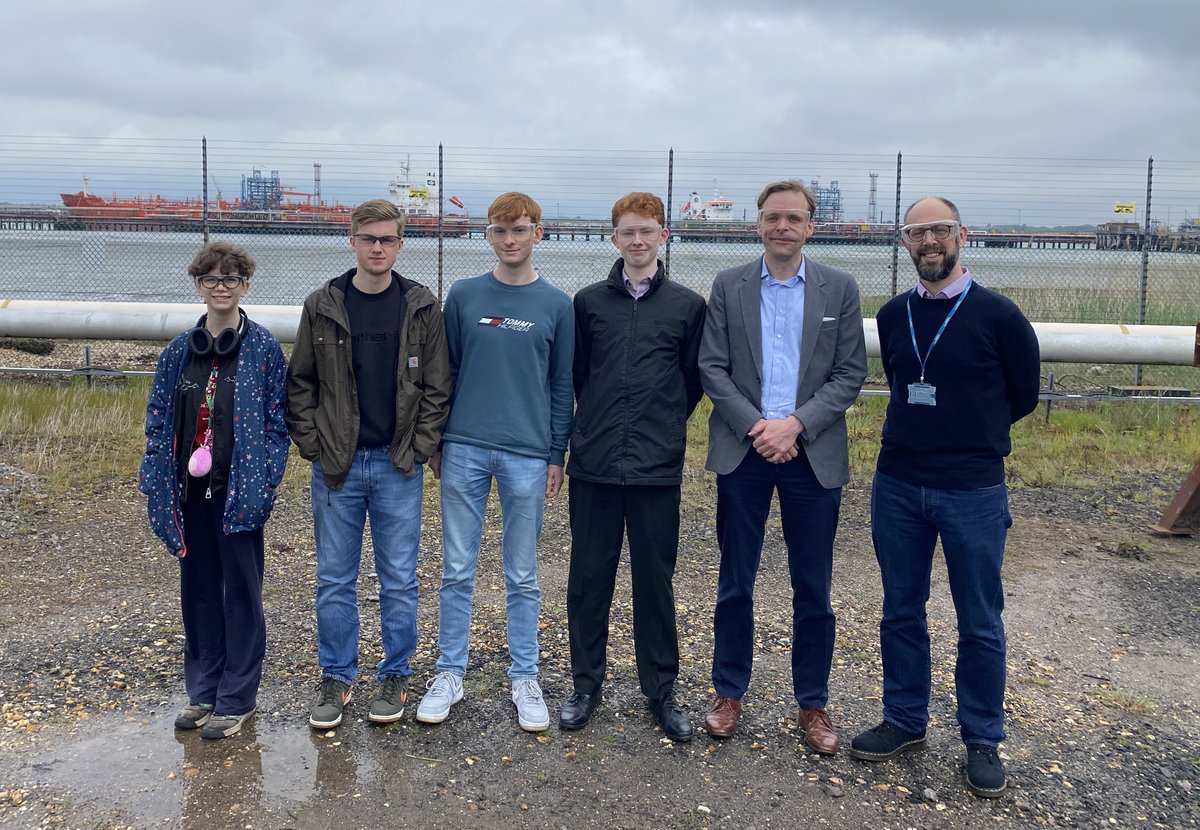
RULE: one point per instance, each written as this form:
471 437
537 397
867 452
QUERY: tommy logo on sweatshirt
506 323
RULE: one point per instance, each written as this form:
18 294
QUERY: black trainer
577 711
984 772
884 741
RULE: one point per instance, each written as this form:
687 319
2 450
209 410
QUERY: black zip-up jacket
637 380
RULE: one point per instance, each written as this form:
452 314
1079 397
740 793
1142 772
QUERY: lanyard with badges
201 461
922 393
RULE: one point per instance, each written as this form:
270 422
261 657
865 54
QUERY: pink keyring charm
200 462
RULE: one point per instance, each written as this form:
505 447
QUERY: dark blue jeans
809 514
906 520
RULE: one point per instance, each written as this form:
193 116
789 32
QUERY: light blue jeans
376 489
467 473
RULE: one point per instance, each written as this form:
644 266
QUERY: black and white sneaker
193 716
222 726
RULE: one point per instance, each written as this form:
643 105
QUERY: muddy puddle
145 773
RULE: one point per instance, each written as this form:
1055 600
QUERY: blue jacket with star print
260 438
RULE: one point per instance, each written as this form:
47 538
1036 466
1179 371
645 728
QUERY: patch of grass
1128 701
76 437
73 436
1091 444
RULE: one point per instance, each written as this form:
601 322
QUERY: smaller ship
716 209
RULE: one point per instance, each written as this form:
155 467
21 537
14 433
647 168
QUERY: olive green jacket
323 414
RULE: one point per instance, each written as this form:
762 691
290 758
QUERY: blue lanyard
912 332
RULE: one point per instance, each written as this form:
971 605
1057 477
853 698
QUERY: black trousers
220 591
601 514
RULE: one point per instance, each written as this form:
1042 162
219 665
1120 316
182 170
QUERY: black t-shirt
375 342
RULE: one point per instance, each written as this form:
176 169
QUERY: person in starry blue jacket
216 448
962 363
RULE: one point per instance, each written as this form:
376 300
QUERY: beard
932 271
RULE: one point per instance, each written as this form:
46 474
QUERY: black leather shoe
673 720
577 711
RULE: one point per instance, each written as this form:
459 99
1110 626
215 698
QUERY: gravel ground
1103 694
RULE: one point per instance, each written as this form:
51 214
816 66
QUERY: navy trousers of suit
809 514
224 630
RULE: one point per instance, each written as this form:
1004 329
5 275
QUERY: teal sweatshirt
511 349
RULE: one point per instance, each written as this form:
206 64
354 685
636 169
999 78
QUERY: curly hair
226 258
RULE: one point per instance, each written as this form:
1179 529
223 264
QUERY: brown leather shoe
818 731
723 716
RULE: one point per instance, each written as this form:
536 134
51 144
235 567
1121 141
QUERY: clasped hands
776 439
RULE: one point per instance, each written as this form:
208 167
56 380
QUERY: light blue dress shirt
782 315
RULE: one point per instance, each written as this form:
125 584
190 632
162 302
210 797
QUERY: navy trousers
220 591
809 514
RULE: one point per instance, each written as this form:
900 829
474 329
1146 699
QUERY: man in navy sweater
963 366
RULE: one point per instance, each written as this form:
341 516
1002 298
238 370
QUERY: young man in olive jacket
368 395
637 337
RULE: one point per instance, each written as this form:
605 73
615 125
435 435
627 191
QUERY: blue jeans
906 520
467 473
809 515
392 500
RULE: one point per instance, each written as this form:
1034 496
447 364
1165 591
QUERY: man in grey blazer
782 358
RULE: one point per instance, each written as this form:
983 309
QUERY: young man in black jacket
637 338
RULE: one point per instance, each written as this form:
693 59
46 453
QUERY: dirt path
1104 684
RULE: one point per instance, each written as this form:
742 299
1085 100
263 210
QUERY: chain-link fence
1071 240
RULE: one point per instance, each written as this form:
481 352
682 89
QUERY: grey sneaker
445 690
193 716
531 708
332 699
388 706
222 726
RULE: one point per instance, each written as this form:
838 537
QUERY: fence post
204 186
1145 275
441 238
896 224
670 201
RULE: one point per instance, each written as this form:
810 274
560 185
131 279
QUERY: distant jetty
1111 236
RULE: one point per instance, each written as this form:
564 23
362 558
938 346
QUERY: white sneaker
531 708
445 690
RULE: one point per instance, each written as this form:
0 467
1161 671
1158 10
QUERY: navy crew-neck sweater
986 368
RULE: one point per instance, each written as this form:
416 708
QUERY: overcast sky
1015 79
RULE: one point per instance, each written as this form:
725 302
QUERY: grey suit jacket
833 366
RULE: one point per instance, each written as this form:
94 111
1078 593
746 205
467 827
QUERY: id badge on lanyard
922 393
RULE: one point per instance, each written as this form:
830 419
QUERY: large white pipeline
1060 342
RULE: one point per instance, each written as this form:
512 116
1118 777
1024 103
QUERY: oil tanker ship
263 207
